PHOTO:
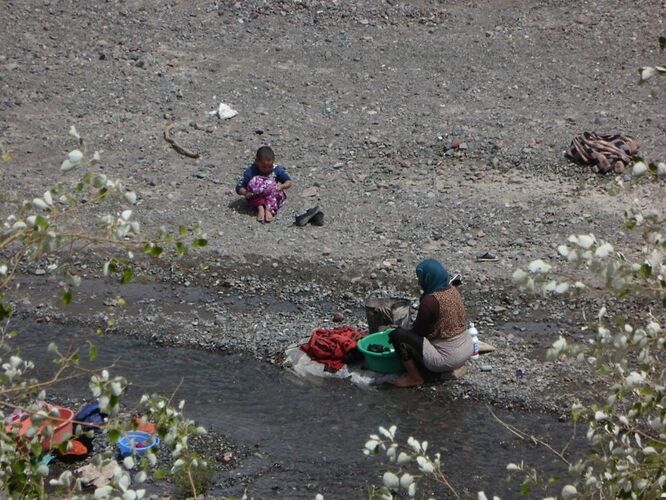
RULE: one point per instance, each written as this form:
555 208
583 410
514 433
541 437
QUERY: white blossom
371 445
73 132
104 403
585 241
518 276
116 388
391 481
415 445
604 250
639 169
560 344
653 328
99 181
569 491
130 196
661 169
104 492
411 491
66 166
405 480
424 465
39 204
129 495
634 378
539 266
75 156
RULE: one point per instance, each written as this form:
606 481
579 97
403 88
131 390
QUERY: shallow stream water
307 438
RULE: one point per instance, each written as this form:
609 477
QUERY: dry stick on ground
176 146
173 394
523 436
189 476
443 479
573 436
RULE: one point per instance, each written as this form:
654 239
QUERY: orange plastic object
76 448
148 427
62 432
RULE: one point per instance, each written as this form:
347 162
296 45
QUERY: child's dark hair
265 153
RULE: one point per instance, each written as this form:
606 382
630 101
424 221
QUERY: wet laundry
330 345
378 348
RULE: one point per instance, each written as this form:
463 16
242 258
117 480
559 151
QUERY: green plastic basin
382 362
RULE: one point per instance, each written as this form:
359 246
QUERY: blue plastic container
127 444
382 362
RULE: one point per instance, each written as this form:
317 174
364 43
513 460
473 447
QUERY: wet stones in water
378 348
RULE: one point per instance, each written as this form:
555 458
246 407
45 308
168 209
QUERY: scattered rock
310 192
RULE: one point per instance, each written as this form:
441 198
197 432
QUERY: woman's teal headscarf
432 276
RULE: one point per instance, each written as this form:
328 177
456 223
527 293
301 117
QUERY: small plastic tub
382 362
64 428
137 443
60 426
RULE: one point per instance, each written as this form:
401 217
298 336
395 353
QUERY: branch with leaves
65 220
89 212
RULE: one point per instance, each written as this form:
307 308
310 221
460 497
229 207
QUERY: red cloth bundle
329 345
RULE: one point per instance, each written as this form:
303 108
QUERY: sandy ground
360 101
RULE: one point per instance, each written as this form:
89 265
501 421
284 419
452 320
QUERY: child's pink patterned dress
265 192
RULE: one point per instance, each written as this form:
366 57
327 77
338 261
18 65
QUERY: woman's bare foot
407 380
261 214
269 216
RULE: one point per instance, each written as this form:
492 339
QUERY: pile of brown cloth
603 152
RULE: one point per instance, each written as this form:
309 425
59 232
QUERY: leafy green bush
72 217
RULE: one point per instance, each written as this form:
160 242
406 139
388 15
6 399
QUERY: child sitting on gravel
263 185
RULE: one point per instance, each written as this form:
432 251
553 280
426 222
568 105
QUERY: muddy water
307 438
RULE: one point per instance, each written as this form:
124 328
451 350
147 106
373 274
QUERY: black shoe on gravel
487 257
317 219
303 219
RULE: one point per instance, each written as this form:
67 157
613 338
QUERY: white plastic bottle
475 341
